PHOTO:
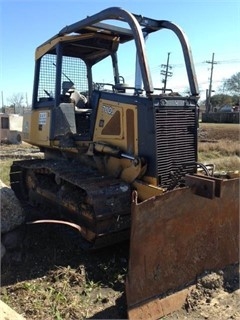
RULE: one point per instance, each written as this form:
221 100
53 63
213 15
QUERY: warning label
42 118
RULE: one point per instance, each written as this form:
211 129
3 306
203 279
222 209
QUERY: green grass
65 293
5 171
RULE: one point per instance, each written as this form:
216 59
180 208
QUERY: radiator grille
176 145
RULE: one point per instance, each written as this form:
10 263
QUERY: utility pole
27 100
208 98
165 72
2 101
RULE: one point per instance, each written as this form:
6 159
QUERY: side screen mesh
47 78
73 70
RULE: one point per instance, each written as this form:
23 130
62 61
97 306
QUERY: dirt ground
216 296
58 280
55 279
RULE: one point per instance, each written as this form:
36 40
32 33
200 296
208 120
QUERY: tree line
229 93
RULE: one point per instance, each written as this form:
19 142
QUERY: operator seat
79 99
69 91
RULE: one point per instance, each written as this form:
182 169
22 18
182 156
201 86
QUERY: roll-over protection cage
139 26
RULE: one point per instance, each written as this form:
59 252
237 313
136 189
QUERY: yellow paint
47 46
51 43
116 125
151 180
146 191
36 127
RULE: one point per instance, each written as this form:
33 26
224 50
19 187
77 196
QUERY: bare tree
16 101
232 85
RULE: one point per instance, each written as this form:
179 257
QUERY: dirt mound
216 297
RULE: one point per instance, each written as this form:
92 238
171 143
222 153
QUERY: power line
156 68
229 61
181 65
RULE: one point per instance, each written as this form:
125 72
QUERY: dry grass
219 145
227 164
224 154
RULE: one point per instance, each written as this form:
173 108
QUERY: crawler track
69 191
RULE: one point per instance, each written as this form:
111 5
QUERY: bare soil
56 279
216 296
219 131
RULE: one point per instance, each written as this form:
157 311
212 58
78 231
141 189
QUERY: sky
211 26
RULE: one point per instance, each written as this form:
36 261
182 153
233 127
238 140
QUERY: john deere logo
108 110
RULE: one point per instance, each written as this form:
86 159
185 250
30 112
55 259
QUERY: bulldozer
121 161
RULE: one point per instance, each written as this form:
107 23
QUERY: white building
11 128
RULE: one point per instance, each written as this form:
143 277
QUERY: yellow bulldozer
120 161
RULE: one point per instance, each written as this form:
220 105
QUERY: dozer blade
176 237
